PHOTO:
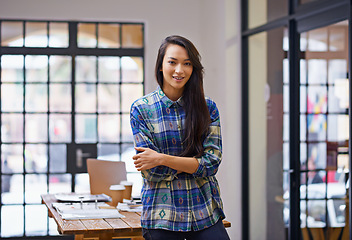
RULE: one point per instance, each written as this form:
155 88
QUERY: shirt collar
168 102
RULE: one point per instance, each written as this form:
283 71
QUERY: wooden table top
112 227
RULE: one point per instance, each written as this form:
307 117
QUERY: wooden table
102 229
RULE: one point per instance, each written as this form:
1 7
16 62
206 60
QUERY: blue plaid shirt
171 201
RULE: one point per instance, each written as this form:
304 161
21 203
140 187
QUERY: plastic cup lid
126 183
117 187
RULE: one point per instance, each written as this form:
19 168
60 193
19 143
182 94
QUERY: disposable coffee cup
116 193
127 194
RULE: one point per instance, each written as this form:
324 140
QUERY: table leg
79 237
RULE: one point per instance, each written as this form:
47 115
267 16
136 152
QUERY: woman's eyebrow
177 59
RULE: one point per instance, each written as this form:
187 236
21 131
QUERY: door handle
79 157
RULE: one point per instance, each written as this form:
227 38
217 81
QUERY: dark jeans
215 232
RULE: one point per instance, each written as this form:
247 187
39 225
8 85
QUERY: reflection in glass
60 68
59 183
60 128
58 34
12 97
12 68
86 36
337 38
60 97
130 92
108 128
36 34
15 195
316 156
36 220
338 96
316 125
109 69
132 69
316 99
57 158
35 186
85 97
108 98
11 158
36 68
36 158
108 35
11 222
11 127
86 69
86 128
132 36
36 98
317 211
11 34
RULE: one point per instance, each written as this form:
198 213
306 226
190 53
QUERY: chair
103 174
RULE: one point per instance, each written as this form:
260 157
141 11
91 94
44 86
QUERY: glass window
261 12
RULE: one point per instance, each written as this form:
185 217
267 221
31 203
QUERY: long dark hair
197 114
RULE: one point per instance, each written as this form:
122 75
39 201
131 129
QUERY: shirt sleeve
210 160
142 134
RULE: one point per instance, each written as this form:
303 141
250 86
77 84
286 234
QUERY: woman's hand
146 158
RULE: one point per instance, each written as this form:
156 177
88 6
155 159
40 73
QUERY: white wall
213 26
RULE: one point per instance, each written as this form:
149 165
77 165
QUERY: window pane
12 34
317 73
260 12
60 97
338 96
36 158
86 36
132 69
15 195
108 152
12 127
12 158
57 155
60 128
109 69
318 40
36 220
337 70
109 35
317 99
36 130
36 98
108 98
86 69
12 68
337 38
12 221
109 128
36 34
12 97
316 156
82 183
35 186
132 36
85 97
86 128
130 92
317 211
338 128
59 183
36 68
60 68
127 135
58 34
316 125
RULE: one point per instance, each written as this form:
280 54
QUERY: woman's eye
171 62
188 64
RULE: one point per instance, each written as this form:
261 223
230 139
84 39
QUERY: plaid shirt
171 201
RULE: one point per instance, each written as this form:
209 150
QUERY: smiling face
177 69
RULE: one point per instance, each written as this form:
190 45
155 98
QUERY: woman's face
177 69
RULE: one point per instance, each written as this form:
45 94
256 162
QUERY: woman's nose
179 68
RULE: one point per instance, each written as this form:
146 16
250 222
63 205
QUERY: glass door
324 132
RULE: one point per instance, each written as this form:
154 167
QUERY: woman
178 142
